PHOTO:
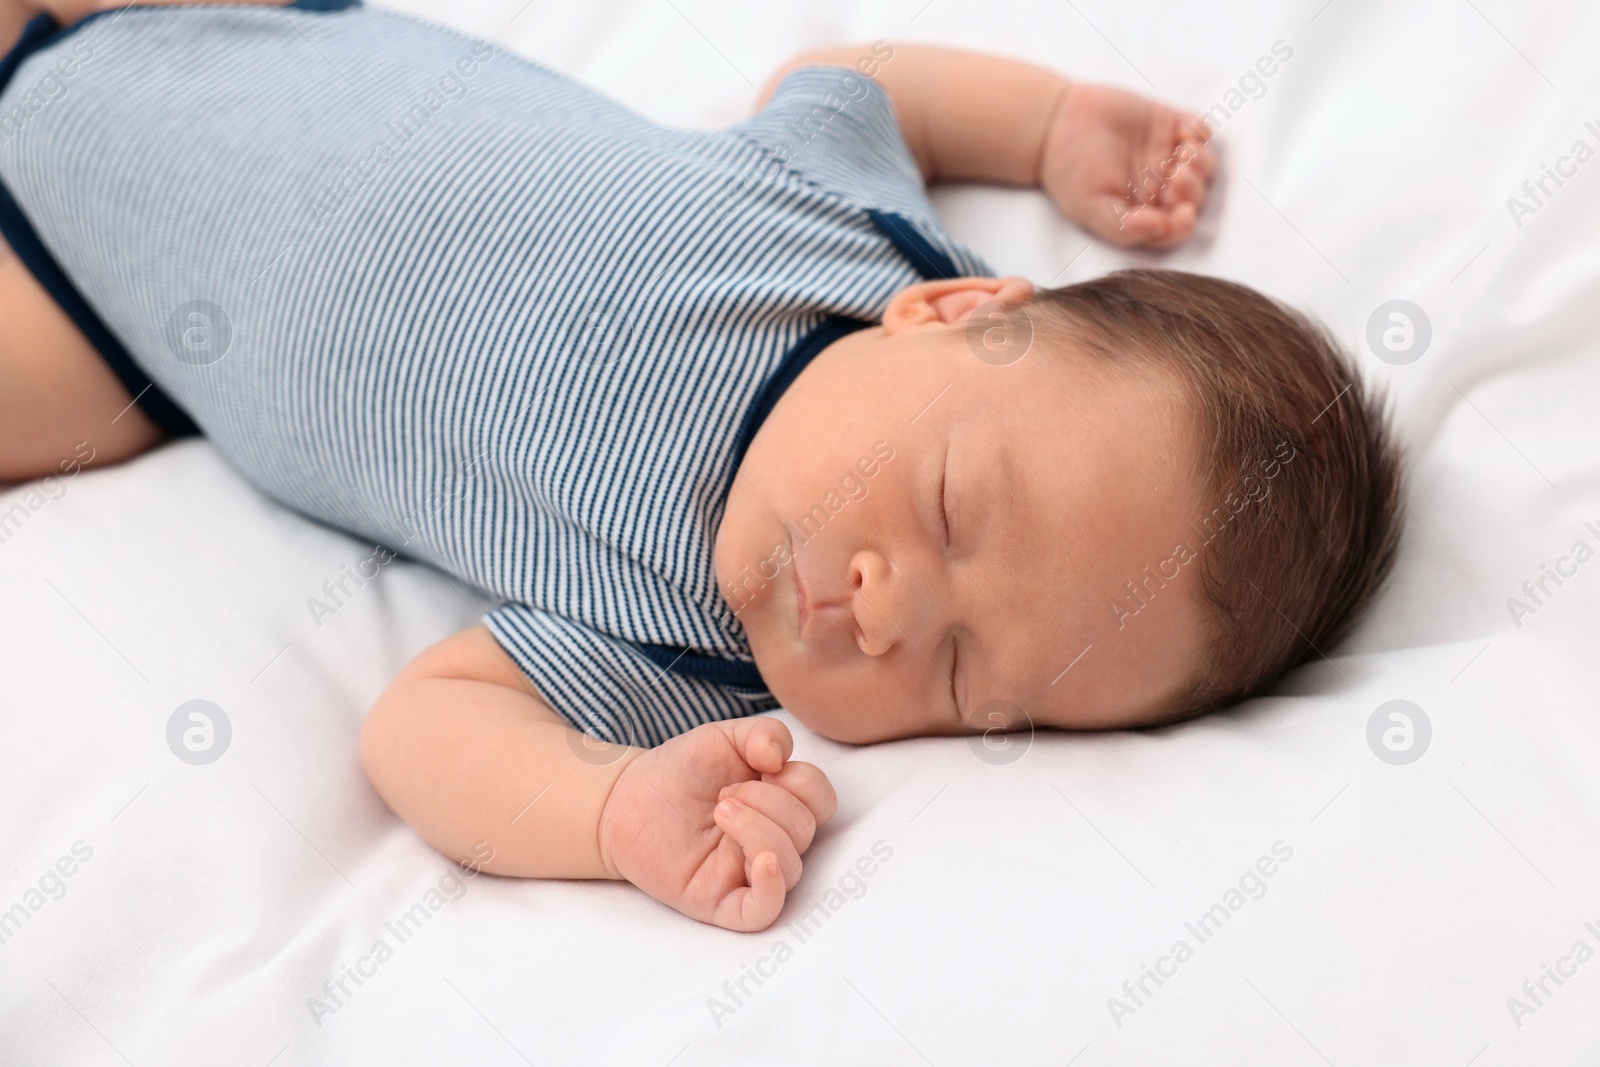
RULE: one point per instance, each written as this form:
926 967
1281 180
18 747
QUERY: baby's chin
836 727
786 680
849 719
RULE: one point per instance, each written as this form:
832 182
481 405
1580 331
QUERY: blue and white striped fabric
443 298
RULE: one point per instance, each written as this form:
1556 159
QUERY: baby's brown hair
1302 471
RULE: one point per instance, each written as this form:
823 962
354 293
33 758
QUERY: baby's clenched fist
714 821
1127 169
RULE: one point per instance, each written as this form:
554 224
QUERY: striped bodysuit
445 299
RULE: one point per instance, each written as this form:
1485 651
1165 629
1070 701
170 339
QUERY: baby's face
920 541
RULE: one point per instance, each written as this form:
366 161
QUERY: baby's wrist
602 835
1052 125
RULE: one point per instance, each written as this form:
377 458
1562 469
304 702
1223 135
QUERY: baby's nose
879 598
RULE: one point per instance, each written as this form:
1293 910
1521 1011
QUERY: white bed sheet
1016 898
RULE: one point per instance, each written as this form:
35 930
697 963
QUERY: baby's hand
1125 168
713 822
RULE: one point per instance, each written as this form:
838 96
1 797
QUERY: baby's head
1115 504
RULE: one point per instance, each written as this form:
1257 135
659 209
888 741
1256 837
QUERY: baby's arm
713 822
1128 169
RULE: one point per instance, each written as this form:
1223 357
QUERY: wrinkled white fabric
958 910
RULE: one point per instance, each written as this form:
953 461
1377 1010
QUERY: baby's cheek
849 707
808 691
744 539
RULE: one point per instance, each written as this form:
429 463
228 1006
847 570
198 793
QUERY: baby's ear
949 301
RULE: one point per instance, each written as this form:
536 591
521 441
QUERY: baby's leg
56 393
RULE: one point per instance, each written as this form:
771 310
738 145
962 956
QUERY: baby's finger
1125 223
1193 127
779 805
1188 185
755 907
1177 225
763 742
754 833
1199 157
806 781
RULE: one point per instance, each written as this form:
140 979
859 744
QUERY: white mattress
1016 897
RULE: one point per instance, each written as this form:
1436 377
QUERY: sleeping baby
721 421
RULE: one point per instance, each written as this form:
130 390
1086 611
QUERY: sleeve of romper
836 129
606 687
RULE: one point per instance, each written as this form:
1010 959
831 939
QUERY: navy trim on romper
19 233
728 672
931 263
